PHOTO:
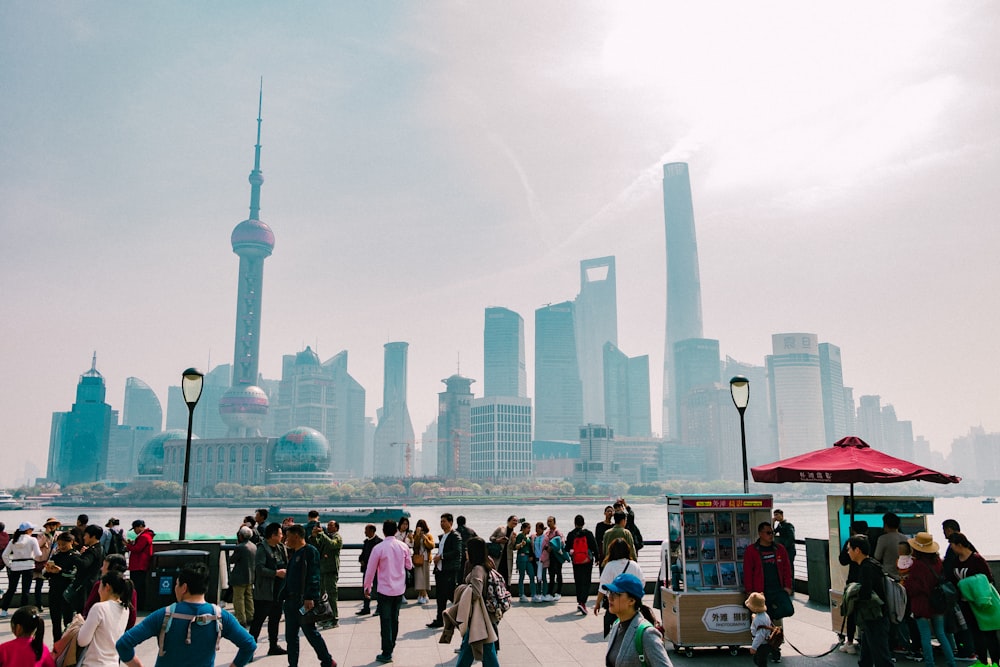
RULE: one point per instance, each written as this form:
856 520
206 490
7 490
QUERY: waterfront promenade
553 635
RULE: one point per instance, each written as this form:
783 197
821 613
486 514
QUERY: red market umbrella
849 461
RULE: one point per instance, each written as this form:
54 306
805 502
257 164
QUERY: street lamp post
739 388
192 383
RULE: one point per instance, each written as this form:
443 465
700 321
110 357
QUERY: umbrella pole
852 503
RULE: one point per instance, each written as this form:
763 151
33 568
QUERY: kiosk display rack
703 607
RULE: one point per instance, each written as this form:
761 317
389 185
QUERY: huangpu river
809 517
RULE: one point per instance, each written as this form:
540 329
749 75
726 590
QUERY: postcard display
703 606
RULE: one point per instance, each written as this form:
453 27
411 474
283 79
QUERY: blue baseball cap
628 584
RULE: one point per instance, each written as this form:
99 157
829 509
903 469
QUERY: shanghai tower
244 407
683 282
394 437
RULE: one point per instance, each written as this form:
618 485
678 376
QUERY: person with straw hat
761 628
921 581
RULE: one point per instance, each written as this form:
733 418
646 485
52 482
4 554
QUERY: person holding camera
501 547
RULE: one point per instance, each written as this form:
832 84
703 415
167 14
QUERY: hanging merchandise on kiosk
703 605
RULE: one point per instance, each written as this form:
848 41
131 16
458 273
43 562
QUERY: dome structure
302 450
253 237
307 357
151 456
244 407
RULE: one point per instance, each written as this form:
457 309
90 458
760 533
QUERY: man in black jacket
300 595
88 565
859 527
447 567
874 630
371 539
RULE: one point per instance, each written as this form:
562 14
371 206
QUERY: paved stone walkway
553 635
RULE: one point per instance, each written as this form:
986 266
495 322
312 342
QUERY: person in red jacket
140 557
767 569
922 579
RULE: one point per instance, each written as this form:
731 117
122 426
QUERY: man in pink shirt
389 560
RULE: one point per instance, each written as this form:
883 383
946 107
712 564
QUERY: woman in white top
616 562
106 622
19 556
405 535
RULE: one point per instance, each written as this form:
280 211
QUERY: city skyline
841 192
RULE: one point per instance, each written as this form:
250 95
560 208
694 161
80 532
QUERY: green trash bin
166 566
818 565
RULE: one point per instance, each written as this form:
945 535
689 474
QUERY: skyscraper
244 407
324 396
626 393
394 439
558 392
683 281
597 463
501 438
596 320
504 372
428 451
696 366
831 375
78 446
454 419
142 407
869 424
796 393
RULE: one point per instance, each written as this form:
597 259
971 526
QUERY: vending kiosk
912 511
703 606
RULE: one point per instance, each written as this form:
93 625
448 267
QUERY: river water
808 516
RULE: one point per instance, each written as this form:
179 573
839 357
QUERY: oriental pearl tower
244 406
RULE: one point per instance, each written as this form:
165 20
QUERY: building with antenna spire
78 443
244 407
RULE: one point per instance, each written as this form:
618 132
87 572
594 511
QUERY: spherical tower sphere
151 456
253 237
244 407
302 449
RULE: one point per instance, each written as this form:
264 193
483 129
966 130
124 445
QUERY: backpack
116 545
943 596
776 638
200 619
497 597
640 631
636 538
895 599
581 552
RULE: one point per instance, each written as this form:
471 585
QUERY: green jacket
329 551
613 533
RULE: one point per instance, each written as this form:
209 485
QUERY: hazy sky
426 160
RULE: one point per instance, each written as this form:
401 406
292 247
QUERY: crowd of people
283 572
950 598
901 593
